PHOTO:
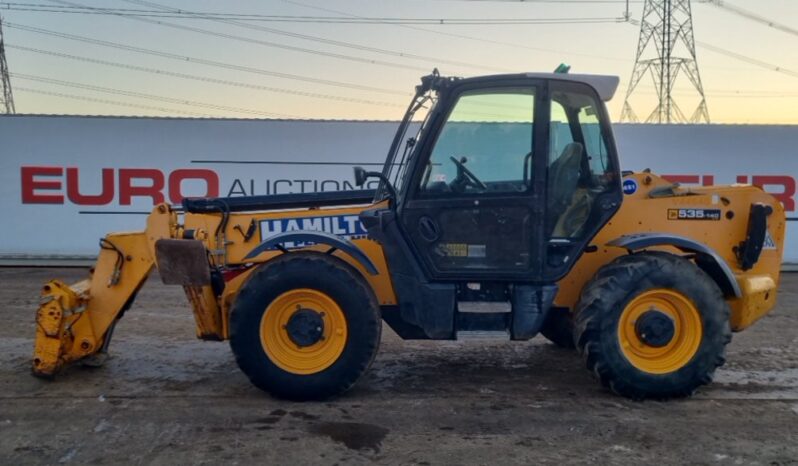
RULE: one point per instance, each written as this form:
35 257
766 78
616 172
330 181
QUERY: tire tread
605 296
256 364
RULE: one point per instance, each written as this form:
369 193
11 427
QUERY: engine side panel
715 216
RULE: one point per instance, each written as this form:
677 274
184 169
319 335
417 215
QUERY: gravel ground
166 398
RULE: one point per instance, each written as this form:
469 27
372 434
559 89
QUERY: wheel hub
655 328
305 327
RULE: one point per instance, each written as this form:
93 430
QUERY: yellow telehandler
497 189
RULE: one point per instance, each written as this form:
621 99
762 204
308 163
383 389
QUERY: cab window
485 145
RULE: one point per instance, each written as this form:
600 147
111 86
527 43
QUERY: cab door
583 189
519 177
472 208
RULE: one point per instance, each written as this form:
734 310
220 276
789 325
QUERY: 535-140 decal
693 214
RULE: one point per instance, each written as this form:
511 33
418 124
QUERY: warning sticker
453 249
472 251
768 243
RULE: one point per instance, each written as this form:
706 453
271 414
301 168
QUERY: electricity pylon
6 98
665 50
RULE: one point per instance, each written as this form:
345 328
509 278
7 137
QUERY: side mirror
360 176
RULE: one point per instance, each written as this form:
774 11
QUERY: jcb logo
693 214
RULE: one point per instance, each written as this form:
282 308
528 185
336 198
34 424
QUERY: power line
493 41
739 96
202 61
726 92
399 54
460 36
83 9
194 77
753 16
261 42
191 103
131 66
109 102
747 59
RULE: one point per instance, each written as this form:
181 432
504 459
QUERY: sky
275 73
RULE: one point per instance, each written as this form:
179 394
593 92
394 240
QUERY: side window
560 133
579 164
485 145
594 142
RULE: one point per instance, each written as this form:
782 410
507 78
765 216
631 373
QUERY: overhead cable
261 42
195 77
107 101
84 9
464 36
140 95
753 16
337 43
202 61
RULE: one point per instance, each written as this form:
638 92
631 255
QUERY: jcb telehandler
508 191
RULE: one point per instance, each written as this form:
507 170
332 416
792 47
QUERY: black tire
603 301
558 328
322 273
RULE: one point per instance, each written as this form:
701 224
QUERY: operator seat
564 174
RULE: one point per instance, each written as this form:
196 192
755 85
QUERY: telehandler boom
510 192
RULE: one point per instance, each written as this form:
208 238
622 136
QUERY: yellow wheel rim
686 327
284 351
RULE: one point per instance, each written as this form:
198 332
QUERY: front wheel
305 326
652 325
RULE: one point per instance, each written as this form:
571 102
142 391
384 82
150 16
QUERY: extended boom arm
75 321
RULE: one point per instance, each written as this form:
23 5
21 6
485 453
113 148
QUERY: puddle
355 436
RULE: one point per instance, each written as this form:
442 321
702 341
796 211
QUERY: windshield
402 148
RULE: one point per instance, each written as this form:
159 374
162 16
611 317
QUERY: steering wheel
471 179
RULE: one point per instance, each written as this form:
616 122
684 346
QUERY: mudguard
317 237
707 259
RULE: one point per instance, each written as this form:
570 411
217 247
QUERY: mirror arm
388 185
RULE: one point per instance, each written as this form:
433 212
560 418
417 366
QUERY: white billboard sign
66 181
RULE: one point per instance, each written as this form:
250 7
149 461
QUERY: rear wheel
652 325
305 326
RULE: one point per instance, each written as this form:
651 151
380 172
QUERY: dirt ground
167 398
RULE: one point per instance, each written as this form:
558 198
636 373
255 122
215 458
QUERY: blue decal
629 186
345 226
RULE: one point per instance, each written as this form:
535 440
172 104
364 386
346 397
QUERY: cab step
482 335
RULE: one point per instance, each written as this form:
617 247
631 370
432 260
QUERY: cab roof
605 85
